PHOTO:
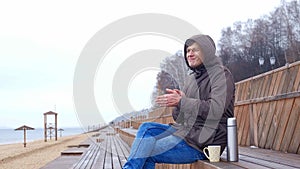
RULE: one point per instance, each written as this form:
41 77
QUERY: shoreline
36 140
10 136
37 153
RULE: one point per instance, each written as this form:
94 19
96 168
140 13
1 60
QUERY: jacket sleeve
220 97
177 116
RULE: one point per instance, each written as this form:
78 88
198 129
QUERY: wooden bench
249 157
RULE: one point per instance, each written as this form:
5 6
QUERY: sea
10 136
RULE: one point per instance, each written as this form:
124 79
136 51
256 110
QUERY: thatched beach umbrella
60 131
24 128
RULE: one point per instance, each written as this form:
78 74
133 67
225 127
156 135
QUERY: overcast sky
40 42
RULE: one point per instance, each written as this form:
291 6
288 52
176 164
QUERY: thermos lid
231 121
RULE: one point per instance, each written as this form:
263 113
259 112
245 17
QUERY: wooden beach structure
24 128
48 128
267 109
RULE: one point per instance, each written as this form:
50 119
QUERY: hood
208 49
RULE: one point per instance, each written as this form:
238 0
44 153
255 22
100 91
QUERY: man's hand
171 99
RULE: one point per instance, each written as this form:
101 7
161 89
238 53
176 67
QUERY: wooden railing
267 109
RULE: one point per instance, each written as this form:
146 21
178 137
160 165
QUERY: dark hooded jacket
201 116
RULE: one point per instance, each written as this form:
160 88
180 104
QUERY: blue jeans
154 143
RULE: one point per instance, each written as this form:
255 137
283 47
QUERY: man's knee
149 129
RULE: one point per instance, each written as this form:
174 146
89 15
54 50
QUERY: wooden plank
99 163
259 120
266 125
94 156
73 152
83 159
264 86
270 98
240 92
286 80
116 161
291 126
262 117
295 142
264 163
260 87
260 106
88 158
239 164
274 124
256 87
247 165
62 162
253 125
237 89
297 80
237 114
253 85
108 155
246 129
282 123
121 153
247 143
272 84
126 136
245 92
271 156
267 87
277 83
241 125
204 165
282 82
171 166
293 73
125 148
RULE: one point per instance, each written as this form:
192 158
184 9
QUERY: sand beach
36 154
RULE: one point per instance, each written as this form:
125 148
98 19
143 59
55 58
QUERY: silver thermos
232 142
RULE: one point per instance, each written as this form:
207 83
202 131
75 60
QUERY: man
201 111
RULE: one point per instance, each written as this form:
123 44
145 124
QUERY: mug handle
205 152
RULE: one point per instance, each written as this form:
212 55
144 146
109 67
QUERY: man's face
194 55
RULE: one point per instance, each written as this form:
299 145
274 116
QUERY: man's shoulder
222 68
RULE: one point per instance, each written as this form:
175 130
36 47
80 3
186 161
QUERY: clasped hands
171 99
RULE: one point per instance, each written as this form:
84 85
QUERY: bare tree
276 35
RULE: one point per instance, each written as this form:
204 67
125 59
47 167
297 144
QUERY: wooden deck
105 150
109 150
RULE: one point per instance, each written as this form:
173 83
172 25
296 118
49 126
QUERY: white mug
214 153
